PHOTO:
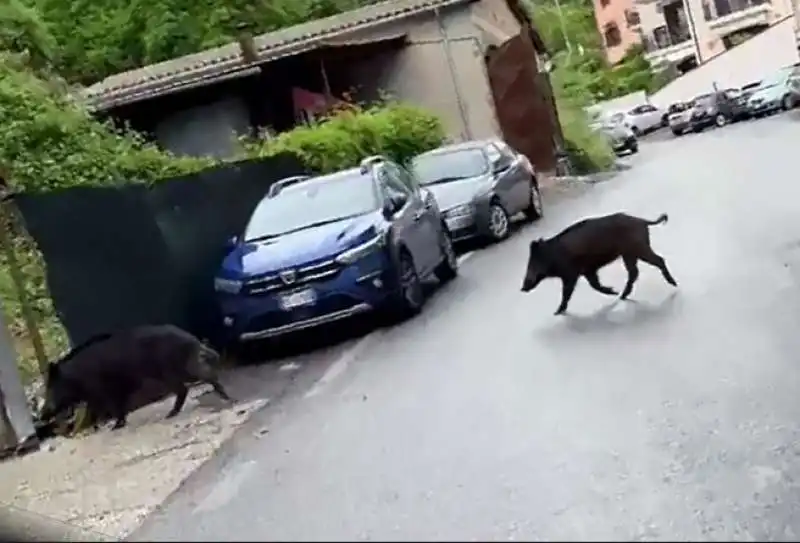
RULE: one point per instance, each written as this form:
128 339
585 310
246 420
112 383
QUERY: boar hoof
560 311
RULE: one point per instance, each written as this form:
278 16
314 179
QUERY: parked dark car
679 114
480 185
325 248
715 109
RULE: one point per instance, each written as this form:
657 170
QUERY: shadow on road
615 315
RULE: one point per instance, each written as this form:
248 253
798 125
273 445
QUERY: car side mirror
500 165
231 243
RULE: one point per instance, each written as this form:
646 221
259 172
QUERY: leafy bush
394 129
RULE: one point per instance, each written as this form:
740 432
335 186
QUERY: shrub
394 129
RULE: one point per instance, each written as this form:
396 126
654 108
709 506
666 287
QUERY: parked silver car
620 137
480 185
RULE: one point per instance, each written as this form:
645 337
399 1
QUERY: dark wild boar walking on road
106 371
586 246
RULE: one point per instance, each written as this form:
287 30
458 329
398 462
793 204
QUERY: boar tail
663 218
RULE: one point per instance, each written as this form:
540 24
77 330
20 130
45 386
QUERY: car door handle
418 215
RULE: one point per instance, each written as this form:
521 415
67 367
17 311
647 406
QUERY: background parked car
326 248
775 93
645 118
678 119
714 109
480 185
620 137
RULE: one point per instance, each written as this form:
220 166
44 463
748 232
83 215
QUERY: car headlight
231 286
360 251
463 210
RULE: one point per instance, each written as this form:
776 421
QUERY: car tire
677 133
410 296
787 102
535 209
633 147
447 270
636 131
499 226
720 120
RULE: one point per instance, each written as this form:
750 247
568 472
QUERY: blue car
320 249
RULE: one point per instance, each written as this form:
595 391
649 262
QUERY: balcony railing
663 38
727 7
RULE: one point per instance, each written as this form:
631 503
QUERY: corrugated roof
226 62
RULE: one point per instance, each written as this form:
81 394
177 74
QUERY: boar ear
536 244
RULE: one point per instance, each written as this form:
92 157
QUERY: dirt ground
107 482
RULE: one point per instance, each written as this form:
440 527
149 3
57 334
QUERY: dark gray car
480 185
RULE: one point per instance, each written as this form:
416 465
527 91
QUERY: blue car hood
298 248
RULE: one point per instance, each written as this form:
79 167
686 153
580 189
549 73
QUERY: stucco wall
208 130
614 12
421 73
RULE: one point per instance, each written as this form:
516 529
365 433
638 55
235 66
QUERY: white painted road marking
338 368
340 365
225 490
466 256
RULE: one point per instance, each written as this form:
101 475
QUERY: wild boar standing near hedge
106 371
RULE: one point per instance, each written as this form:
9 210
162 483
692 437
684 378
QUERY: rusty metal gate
523 101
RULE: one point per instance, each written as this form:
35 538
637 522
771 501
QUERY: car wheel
633 147
720 120
499 222
787 103
411 296
636 131
677 132
447 270
535 209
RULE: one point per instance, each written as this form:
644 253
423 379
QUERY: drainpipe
693 30
466 133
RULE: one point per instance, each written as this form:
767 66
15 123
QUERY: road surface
672 416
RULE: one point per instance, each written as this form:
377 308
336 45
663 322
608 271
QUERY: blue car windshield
319 201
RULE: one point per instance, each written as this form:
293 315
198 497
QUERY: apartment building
683 32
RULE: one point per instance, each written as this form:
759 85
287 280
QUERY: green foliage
393 129
49 142
115 36
23 31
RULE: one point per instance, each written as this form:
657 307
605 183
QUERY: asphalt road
671 416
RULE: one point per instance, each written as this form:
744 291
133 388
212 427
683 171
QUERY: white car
645 118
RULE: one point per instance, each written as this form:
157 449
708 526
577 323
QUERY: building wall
442 69
614 13
750 61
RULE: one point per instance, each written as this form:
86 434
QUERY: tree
22 31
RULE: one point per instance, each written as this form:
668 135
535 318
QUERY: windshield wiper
299 228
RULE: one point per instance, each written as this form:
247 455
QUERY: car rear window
456 164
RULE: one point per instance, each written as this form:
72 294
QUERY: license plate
298 298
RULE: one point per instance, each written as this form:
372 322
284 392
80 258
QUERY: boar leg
594 282
567 288
658 261
180 398
633 274
219 390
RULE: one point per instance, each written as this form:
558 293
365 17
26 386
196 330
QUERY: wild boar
106 371
588 245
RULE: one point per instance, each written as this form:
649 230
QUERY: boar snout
531 281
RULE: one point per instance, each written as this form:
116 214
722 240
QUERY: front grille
324 306
322 271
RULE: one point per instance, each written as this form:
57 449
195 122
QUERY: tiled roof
226 62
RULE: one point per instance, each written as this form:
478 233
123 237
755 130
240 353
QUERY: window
392 186
401 174
612 35
445 166
319 200
604 3
632 18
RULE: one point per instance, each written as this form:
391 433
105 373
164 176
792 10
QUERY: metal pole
564 30
693 31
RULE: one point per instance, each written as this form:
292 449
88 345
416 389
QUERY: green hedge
394 129
49 142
